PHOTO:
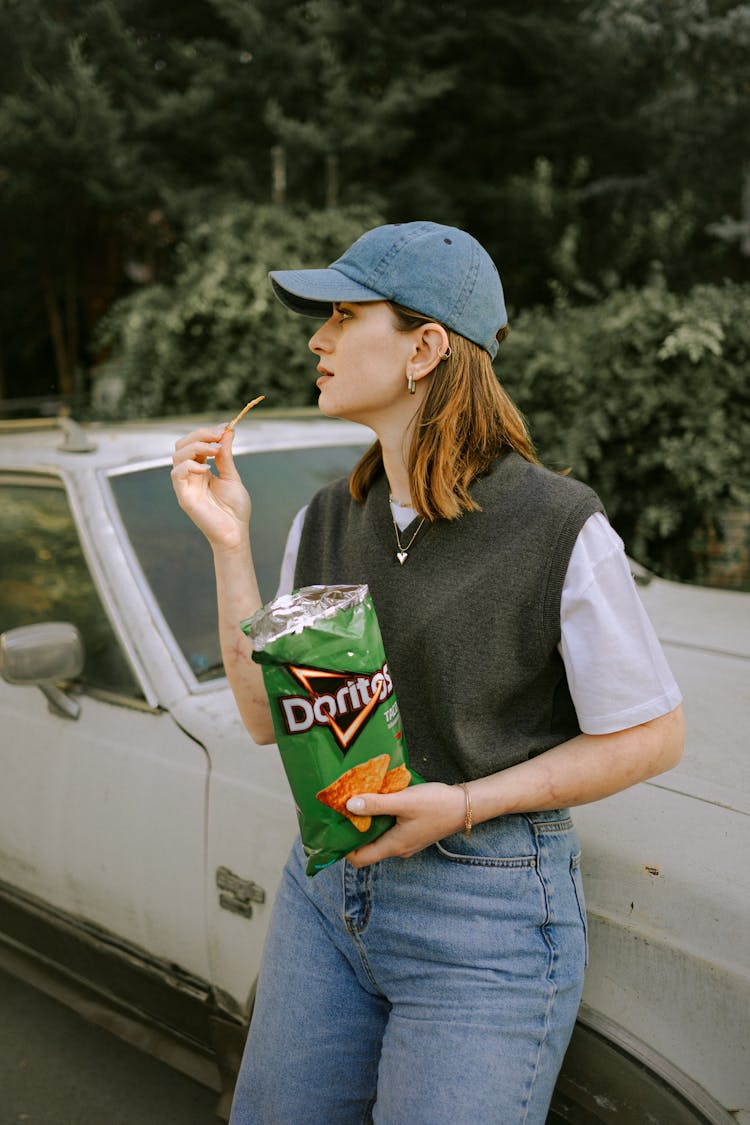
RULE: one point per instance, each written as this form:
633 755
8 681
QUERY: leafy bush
216 335
646 396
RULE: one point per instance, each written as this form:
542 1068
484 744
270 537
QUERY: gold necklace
403 551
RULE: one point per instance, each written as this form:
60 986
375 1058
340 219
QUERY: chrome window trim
59 478
144 588
246 445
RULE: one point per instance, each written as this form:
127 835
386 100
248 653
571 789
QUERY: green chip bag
335 716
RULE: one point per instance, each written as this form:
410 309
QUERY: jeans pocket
577 880
505 842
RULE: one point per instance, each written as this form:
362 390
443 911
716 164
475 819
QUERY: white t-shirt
617 673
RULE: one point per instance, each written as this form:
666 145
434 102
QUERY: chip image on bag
335 715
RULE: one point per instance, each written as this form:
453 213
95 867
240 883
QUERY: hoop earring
410 384
447 353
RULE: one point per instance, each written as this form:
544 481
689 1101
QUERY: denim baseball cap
439 271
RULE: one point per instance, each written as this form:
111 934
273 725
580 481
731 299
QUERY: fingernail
356 804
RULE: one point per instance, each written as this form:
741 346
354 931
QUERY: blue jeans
437 990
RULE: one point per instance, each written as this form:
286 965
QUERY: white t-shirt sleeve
291 550
617 673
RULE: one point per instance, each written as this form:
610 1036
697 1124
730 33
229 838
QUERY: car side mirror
44 654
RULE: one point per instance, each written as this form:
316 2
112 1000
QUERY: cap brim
312 292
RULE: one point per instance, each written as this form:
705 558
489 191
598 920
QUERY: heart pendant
401 556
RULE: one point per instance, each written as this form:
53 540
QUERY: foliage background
647 393
156 159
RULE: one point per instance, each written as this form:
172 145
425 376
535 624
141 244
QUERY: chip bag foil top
335 715
291 613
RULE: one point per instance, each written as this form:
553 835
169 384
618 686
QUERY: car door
251 819
102 817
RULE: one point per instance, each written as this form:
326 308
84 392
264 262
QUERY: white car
142 833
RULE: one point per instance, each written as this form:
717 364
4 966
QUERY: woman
435 974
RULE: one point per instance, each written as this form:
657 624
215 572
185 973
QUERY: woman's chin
326 407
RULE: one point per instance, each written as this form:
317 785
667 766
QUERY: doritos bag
335 715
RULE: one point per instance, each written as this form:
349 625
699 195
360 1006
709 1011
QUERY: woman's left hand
424 813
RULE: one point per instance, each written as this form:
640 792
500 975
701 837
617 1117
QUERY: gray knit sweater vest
471 621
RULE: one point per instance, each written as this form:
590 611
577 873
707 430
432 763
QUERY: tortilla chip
243 412
396 780
365 778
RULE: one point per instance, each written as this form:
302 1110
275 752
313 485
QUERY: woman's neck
395 430
395 465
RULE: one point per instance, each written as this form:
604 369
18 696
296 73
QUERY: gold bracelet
467 807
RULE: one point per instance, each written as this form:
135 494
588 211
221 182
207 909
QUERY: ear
430 345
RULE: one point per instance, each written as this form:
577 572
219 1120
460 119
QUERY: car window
176 558
44 576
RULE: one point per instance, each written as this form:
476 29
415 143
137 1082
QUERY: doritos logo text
341 701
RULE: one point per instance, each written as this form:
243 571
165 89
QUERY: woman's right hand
218 505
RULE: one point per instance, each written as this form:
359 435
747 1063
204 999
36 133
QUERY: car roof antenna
76 440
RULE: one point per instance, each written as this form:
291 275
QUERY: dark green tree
112 115
580 140
358 80
684 66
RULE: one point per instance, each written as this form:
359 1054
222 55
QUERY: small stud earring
410 384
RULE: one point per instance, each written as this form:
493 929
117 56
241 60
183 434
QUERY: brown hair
465 422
